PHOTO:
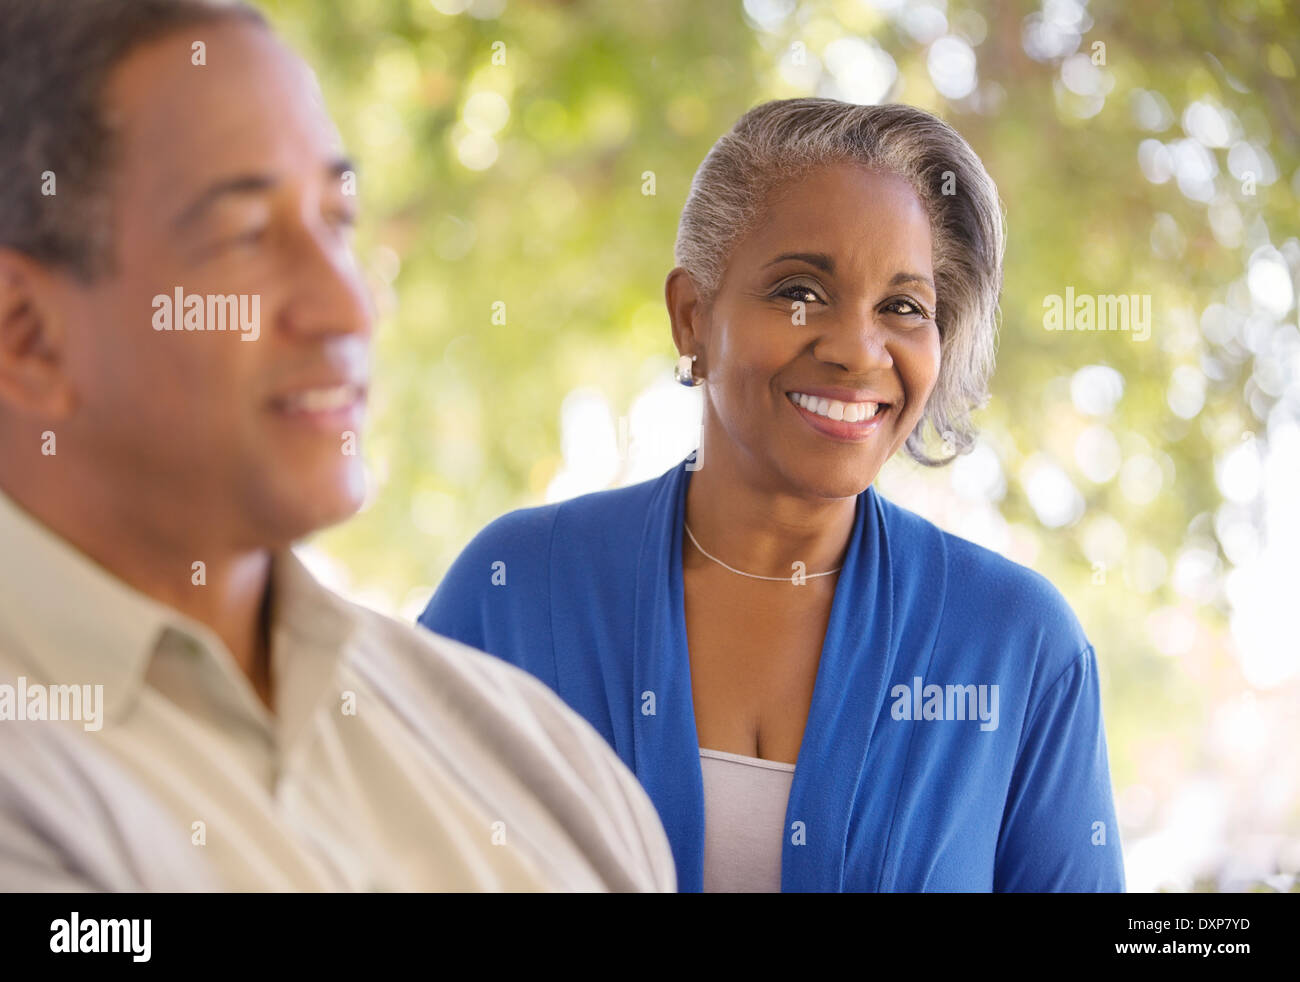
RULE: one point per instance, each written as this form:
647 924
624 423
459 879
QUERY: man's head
161 150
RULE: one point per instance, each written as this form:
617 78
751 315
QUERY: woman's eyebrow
902 278
818 259
824 262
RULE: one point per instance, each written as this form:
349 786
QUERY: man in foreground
183 366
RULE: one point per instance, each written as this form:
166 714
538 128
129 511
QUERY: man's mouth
333 409
323 399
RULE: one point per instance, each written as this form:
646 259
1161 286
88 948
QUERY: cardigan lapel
852 680
856 663
667 758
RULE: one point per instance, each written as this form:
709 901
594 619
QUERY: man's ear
32 380
688 313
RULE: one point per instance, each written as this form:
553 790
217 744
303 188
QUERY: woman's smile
839 420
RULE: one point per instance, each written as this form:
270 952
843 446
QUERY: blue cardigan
955 740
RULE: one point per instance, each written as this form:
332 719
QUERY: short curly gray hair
776 143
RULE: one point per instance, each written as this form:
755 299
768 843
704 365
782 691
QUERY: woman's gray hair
776 143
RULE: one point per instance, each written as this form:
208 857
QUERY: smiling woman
907 167
828 297
739 631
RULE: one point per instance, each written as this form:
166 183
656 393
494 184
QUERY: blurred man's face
228 181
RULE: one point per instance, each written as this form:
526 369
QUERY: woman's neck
764 531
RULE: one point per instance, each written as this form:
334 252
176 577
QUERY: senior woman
819 689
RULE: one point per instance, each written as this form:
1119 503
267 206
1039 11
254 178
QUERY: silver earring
684 372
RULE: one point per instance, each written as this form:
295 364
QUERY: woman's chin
838 480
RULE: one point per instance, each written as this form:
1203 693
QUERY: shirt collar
76 623
312 628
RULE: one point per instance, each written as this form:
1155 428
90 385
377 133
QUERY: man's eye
252 237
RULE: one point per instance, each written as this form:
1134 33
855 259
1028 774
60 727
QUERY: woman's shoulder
585 522
506 582
981 582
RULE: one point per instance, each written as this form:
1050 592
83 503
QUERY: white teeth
322 400
849 412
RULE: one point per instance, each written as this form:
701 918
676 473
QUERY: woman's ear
688 314
31 359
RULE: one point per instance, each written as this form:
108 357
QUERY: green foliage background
465 416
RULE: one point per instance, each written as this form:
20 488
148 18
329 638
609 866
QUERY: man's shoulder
390 647
457 698
415 664
73 818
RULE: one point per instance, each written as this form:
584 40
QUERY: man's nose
330 295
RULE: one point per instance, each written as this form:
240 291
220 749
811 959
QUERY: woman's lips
856 421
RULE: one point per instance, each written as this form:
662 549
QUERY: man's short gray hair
56 57
778 142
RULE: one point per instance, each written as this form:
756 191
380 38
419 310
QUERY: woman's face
825 309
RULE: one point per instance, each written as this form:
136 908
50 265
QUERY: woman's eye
797 291
909 309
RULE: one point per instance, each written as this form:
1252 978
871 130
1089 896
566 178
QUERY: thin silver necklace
752 576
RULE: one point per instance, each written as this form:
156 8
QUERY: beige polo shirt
395 760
